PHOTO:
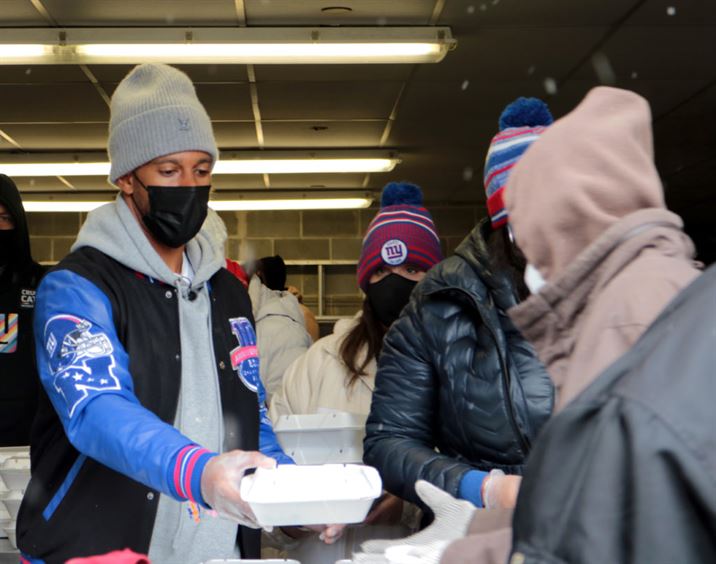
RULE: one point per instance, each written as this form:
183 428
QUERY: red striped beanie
402 232
521 123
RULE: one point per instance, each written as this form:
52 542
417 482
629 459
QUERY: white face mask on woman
533 279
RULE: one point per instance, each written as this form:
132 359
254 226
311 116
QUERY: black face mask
389 296
8 246
176 213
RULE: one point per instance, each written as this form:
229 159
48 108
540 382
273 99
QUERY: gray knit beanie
155 112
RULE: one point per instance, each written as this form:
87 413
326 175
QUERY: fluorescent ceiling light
259 53
303 166
218 205
296 45
19 51
246 166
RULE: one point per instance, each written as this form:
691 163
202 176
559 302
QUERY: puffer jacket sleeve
400 430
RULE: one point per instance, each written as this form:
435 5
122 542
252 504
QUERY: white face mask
533 279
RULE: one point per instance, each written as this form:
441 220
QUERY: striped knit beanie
521 123
403 232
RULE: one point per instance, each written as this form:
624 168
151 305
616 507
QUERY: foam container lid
322 438
15 472
311 495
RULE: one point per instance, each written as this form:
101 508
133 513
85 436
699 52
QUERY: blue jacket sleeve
268 443
85 371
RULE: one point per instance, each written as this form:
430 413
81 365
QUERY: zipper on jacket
507 380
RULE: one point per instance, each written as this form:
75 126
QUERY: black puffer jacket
456 376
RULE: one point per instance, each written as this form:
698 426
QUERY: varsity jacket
108 348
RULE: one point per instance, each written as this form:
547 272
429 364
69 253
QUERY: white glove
452 518
221 482
500 490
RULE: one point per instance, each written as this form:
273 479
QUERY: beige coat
318 381
587 209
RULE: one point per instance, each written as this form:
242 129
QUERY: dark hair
505 256
272 272
369 333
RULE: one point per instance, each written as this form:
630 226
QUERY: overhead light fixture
304 45
326 165
217 205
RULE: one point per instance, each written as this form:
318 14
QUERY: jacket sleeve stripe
178 469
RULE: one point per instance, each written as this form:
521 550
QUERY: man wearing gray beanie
146 350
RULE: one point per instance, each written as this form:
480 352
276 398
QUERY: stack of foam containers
14 477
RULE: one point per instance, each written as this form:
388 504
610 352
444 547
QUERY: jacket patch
245 357
9 327
27 298
81 360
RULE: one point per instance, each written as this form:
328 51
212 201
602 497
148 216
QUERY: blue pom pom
526 112
401 193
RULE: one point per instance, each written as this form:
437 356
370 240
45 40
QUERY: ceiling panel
323 134
454 111
673 52
327 100
90 183
40 137
141 12
63 102
41 74
328 73
667 12
353 12
693 193
440 173
235 135
19 13
531 13
222 101
42 184
538 53
345 180
237 181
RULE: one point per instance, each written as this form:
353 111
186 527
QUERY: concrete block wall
295 235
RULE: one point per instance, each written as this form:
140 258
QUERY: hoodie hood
113 230
10 198
586 172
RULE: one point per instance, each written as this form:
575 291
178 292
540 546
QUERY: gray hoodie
113 230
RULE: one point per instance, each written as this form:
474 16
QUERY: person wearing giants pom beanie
338 372
146 350
443 409
401 237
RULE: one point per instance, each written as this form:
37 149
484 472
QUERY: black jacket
455 375
75 506
627 472
19 278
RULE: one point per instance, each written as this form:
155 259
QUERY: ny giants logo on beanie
394 252
402 232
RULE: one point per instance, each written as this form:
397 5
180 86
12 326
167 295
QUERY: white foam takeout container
15 472
311 495
322 438
11 533
11 501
